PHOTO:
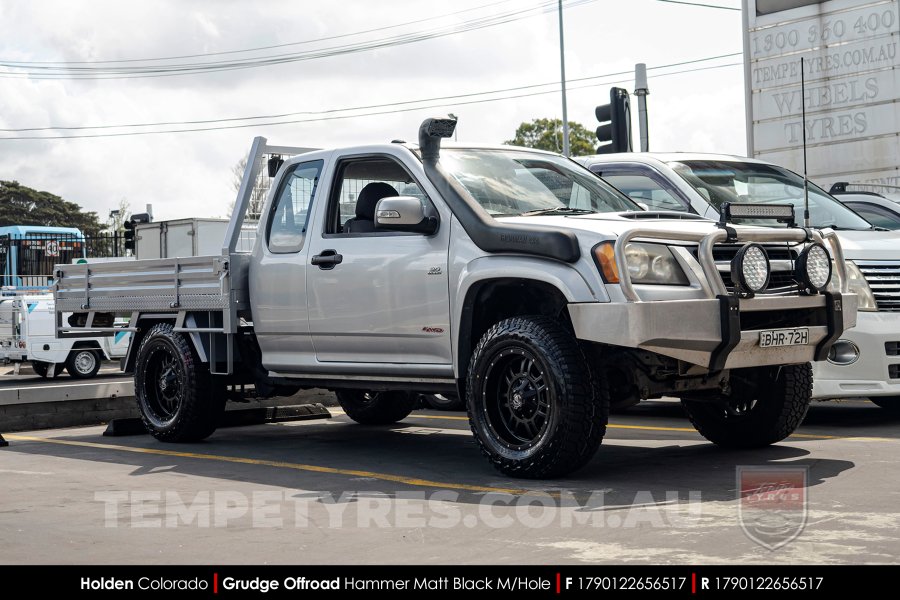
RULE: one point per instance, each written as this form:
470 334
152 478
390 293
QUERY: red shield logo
772 507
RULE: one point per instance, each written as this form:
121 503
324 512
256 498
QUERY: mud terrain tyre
767 405
178 399
536 408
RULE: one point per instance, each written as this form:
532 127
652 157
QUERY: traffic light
615 123
129 234
129 228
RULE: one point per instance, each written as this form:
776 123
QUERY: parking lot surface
332 491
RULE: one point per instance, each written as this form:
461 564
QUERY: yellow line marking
811 436
651 428
412 481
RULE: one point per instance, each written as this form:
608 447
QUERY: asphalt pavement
332 491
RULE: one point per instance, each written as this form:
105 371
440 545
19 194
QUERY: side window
360 184
644 189
876 215
289 214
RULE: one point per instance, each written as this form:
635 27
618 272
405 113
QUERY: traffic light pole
562 69
641 90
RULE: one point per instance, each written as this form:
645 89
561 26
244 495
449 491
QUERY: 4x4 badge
435 271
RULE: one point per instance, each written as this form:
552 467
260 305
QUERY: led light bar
783 213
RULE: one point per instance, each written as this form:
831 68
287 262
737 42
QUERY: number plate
772 338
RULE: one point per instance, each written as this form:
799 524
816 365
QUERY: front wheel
376 408
83 364
891 403
178 399
767 404
536 408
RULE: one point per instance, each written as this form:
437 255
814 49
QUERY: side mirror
404 213
643 205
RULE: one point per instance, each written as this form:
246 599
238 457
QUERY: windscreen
513 183
745 182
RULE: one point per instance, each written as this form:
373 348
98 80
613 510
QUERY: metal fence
27 262
105 245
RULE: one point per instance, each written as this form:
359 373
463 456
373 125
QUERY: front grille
892 348
725 252
884 279
779 281
894 371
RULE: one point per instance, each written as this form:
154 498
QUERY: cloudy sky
328 73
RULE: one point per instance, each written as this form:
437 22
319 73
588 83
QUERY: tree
260 188
546 134
21 205
117 217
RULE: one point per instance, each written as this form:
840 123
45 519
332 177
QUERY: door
375 296
278 285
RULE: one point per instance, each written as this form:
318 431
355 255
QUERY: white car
879 209
866 360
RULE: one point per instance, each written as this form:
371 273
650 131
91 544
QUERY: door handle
327 259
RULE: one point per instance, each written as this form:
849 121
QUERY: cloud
189 174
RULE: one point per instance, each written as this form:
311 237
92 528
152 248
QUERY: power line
367 107
352 116
5 62
700 4
143 71
258 48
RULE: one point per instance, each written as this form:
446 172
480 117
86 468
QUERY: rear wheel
535 406
767 405
83 364
891 403
376 408
41 368
178 399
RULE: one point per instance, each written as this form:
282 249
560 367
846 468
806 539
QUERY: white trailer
27 334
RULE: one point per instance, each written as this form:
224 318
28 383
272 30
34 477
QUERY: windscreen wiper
559 210
839 228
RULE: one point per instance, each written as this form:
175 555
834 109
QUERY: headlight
858 285
814 268
646 263
750 269
638 261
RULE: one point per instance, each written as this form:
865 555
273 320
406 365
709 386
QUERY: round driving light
638 261
814 268
750 270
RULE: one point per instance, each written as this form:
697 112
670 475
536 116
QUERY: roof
664 157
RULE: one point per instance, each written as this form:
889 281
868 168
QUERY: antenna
803 112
